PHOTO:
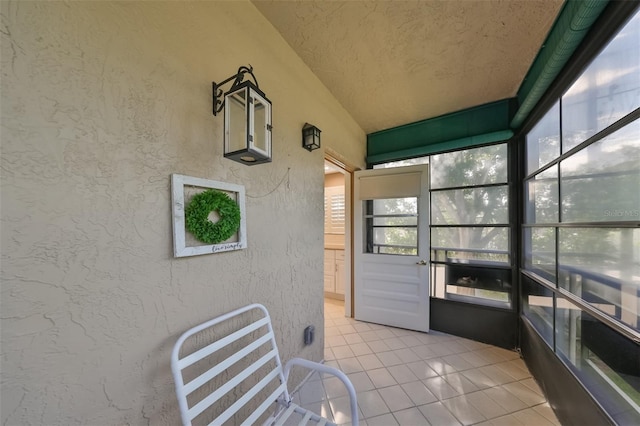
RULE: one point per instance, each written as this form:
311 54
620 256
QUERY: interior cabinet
334 273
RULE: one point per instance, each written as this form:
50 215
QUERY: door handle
422 262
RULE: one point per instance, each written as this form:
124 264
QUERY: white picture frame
182 189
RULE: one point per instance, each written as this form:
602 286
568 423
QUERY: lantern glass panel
261 135
236 121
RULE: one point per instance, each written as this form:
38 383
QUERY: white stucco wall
101 102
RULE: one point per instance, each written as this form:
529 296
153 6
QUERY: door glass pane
395 221
391 226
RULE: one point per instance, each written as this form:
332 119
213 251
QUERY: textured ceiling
391 63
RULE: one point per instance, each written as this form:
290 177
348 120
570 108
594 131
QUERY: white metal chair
228 370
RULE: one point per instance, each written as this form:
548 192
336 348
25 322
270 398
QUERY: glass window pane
477 166
479 285
477 257
537 306
478 238
437 281
470 206
602 181
540 252
543 141
608 90
541 197
603 360
602 266
473 245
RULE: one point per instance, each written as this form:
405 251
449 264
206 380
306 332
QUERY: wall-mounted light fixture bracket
218 104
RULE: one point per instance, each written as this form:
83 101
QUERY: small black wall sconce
310 137
247 119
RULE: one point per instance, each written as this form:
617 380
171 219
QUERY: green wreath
198 223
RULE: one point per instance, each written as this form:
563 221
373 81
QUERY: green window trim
462 143
470 127
572 24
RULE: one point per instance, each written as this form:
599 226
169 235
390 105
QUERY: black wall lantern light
247 119
310 137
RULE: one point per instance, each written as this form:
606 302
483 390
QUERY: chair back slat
284 416
241 360
267 403
226 341
219 368
232 383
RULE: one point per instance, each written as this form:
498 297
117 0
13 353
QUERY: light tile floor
409 378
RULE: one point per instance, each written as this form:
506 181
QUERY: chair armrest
305 363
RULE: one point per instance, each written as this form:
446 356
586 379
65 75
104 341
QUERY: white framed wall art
208 216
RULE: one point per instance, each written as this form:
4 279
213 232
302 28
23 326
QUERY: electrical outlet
309 335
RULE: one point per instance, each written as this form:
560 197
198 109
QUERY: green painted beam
439 133
462 143
572 24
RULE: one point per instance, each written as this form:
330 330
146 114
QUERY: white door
391 233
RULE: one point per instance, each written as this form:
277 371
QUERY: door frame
347 171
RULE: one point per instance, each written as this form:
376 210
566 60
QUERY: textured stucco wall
101 102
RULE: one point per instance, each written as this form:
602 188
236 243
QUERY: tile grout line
486 356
